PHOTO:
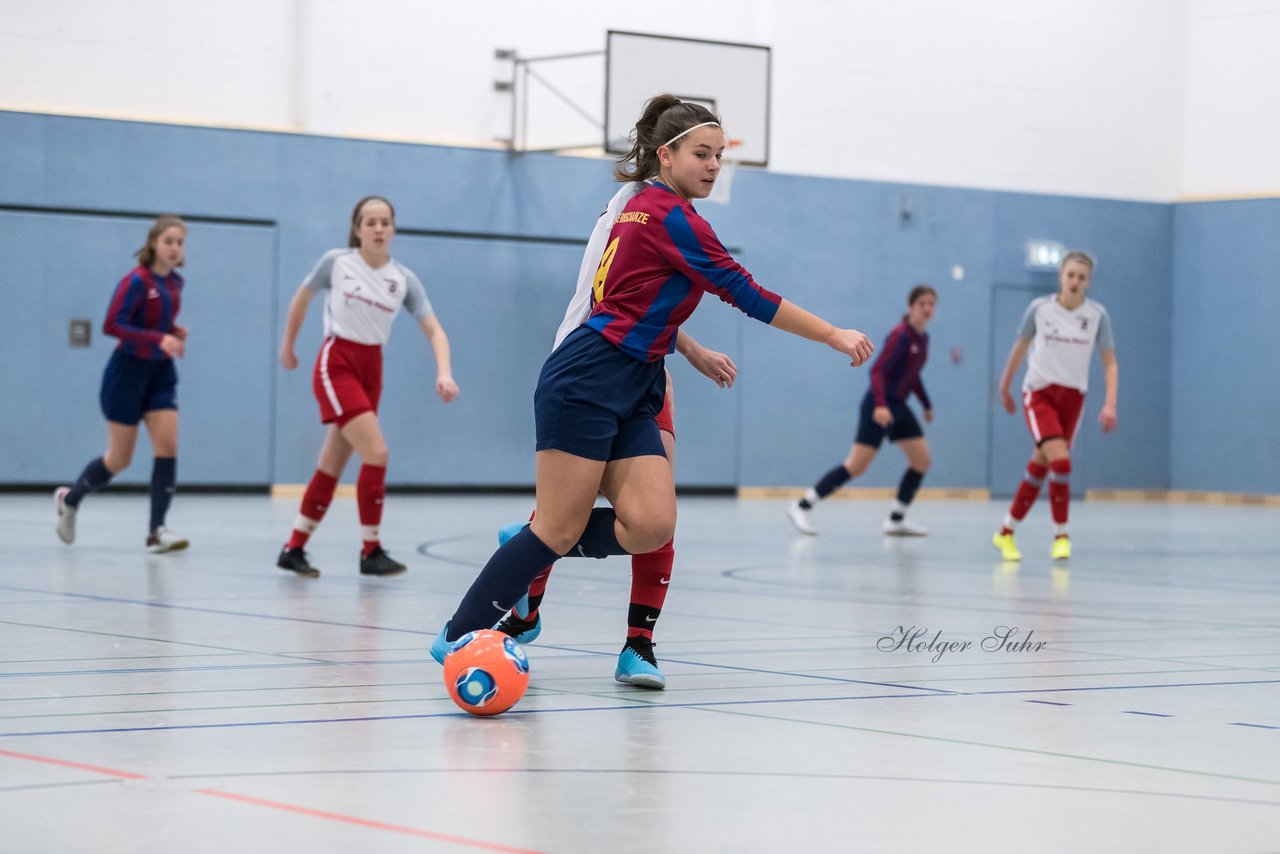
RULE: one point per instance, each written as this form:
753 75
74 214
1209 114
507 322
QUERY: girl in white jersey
1061 332
365 289
650 572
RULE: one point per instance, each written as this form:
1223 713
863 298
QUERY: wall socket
79 332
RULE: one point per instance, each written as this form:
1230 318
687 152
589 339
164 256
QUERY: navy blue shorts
595 401
904 426
132 386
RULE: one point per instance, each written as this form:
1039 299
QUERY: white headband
690 130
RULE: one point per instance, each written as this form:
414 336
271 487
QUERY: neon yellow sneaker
1061 548
1008 548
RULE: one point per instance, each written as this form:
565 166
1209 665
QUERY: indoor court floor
208 702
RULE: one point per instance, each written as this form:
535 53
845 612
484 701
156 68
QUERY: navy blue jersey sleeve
698 253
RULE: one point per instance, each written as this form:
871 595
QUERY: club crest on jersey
391 285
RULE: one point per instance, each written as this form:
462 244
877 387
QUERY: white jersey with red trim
361 301
1062 342
580 306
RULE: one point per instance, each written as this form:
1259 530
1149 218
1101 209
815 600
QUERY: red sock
536 588
650 575
1028 490
1060 490
371 487
315 501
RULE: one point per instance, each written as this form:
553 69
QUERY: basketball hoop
728 166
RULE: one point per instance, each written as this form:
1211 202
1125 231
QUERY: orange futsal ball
486 673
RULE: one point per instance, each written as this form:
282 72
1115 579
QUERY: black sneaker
524 631
295 560
378 562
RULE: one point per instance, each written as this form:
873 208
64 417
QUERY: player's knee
922 463
377 457
116 461
854 468
654 533
559 539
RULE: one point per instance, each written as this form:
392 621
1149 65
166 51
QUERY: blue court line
611 708
837 679
94 597
457 714
221 612
1258 726
1148 714
216 667
208 667
1046 702
1117 687
114 599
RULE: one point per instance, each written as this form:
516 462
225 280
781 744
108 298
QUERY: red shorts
667 417
347 380
1053 412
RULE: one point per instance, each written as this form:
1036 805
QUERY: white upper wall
1139 99
1231 126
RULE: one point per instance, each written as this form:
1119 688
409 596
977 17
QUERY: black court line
108 213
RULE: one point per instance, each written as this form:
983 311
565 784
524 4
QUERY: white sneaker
163 540
800 518
903 528
66 515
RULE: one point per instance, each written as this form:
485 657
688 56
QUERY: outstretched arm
718 367
446 388
293 323
1107 417
1016 355
794 319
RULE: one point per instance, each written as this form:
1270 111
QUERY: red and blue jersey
896 371
661 258
142 312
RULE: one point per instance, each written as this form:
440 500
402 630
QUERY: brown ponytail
664 117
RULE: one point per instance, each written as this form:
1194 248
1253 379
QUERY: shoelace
642 647
512 625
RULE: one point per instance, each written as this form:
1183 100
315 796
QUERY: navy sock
95 476
164 474
831 481
908 486
599 539
504 579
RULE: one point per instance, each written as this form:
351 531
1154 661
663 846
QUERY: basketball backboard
731 80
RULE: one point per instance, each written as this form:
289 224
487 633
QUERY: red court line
364 822
276 805
97 769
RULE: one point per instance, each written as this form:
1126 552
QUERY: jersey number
597 286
